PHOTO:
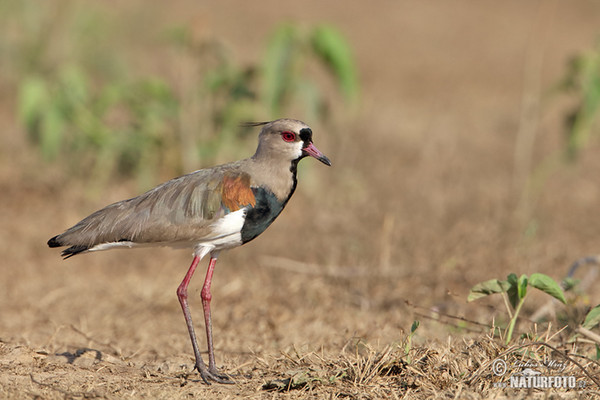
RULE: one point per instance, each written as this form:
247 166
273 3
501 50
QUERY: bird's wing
182 210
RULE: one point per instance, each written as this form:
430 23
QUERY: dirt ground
426 197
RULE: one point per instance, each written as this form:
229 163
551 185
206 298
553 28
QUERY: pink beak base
312 151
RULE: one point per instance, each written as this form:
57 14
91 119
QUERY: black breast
266 209
264 212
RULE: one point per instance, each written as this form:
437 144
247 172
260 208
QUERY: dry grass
422 202
457 368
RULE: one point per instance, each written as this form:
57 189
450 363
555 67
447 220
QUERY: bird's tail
69 252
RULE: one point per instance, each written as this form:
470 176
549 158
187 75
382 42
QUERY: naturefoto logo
535 375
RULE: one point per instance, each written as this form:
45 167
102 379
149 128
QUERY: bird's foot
213 374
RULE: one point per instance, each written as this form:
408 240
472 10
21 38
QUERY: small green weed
408 344
592 318
514 292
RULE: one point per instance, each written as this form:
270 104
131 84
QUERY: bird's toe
220 377
210 375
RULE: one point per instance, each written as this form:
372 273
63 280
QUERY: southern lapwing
208 210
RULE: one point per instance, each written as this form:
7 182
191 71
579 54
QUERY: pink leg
210 373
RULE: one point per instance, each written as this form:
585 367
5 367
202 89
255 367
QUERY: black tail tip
53 242
69 252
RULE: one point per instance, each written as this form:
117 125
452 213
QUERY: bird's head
287 138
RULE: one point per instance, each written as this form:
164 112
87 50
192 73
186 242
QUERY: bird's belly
225 233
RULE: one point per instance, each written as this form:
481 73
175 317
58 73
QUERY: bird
209 210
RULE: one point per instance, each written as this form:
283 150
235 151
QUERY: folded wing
182 211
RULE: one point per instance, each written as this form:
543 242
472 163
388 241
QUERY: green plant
94 114
118 128
514 292
286 76
582 79
592 318
76 99
408 344
581 82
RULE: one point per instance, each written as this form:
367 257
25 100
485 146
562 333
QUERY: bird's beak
312 151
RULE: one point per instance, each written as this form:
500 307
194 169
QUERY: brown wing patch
236 192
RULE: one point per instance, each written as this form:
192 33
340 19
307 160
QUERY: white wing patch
227 233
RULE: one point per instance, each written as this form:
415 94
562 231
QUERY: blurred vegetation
86 107
288 50
582 80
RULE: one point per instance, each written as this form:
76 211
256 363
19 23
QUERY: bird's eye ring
288 136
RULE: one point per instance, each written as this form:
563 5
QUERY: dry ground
423 201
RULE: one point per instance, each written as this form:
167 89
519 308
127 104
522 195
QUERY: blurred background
463 137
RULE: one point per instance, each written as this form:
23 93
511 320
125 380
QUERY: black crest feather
252 124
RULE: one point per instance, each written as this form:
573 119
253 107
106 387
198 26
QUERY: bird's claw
212 374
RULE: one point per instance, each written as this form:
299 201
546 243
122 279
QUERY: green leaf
414 327
522 289
593 318
547 285
487 288
333 49
513 290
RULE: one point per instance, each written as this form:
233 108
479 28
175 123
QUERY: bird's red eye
288 136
